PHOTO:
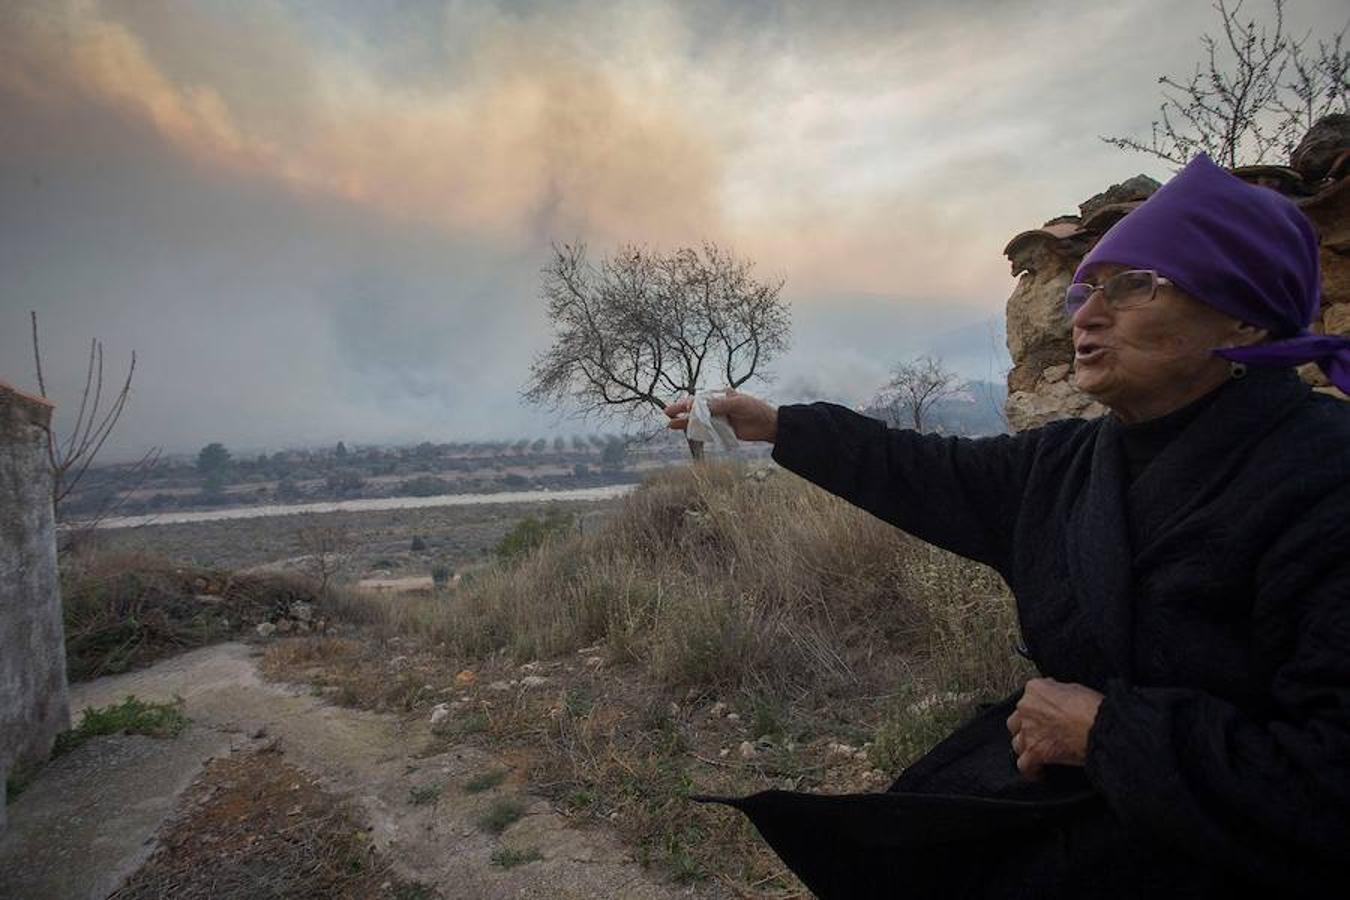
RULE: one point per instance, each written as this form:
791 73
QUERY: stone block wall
33 703
1040 384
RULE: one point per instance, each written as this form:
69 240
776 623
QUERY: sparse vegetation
131 716
485 782
327 550
510 857
424 795
501 815
530 533
257 826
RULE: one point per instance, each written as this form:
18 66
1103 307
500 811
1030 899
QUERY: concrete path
90 818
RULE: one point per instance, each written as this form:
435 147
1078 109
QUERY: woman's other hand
751 418
1051 723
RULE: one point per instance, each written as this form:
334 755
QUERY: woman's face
1146 361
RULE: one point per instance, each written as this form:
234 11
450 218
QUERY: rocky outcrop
1322 148
1040 383
1040 387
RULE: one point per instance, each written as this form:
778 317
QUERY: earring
1237 369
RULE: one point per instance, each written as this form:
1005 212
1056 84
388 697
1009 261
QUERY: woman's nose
1095 311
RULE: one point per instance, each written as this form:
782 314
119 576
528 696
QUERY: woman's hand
1051 723
751 418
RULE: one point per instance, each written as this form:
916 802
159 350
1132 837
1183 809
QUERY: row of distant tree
217 477
215 460
343 472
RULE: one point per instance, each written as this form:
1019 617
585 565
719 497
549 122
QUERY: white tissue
707 428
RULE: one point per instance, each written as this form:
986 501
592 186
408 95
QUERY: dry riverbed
388 543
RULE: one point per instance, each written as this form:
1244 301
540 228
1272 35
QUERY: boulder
1140 187
1321 146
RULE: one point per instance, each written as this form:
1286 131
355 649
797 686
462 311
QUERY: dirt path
90 818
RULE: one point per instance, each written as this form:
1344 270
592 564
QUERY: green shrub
131 716
530 533
422 796
501 815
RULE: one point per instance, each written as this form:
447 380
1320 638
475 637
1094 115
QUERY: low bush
501 815
530 533
124 610
131 716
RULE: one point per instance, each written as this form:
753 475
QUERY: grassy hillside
720 578
724 631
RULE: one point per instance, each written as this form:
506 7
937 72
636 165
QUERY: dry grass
256 826
814 622
127 609
713 578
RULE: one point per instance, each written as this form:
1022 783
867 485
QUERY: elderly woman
1182 575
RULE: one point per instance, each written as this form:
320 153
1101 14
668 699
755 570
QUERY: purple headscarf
1245 250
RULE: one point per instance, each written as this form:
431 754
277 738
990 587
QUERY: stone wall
33 701
1040 384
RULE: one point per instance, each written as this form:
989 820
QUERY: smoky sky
323 221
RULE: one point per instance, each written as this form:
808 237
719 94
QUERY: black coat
1209 600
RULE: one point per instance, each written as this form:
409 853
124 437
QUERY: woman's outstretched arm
961 494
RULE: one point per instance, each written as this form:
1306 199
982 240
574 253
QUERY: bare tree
1253 96
643 328
915 387
327 551
71 458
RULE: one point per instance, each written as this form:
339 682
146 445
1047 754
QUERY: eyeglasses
1123 290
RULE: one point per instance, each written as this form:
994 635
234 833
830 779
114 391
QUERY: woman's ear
1245 335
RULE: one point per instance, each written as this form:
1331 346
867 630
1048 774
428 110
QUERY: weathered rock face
1040 383
33 700
1320 148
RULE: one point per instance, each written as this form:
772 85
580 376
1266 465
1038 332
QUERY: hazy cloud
323 221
